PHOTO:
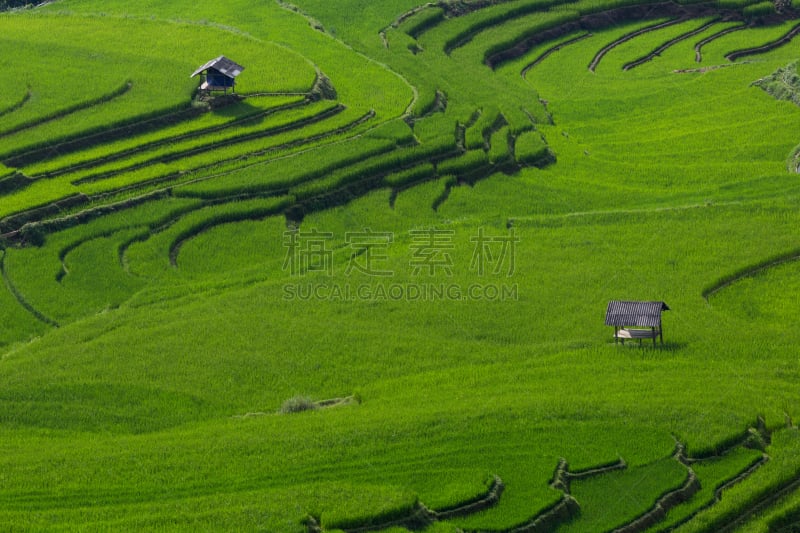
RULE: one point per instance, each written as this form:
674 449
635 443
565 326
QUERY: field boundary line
61 113
658 51
562 511
415 93
607 18
664 503
395 24
19 297
483 502
698 48
92 137
726 484
777 43
242 157
750 271
465 37
759 505
65 251
214 221
19 219
92 213
17 105
547 53
642 211
156 194
188 152
702 70
740 442
149 230
167 140
419 517
629 36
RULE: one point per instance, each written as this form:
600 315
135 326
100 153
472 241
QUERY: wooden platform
635 333
205 86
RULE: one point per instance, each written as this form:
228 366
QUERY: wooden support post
653 333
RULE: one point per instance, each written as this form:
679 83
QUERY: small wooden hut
220 74
636 320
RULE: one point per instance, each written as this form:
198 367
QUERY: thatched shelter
220 74
636 320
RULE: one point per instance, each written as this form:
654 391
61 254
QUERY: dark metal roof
642 314
221 64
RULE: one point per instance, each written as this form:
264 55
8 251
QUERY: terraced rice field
365 292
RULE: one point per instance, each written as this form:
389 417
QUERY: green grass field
368 293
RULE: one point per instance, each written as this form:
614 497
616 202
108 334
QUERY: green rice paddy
408 222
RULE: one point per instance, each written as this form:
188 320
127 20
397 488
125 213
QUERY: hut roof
223 65
642 314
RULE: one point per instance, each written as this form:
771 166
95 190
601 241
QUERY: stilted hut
220 75
636 320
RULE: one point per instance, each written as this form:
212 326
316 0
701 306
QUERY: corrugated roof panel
628 313
223 65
